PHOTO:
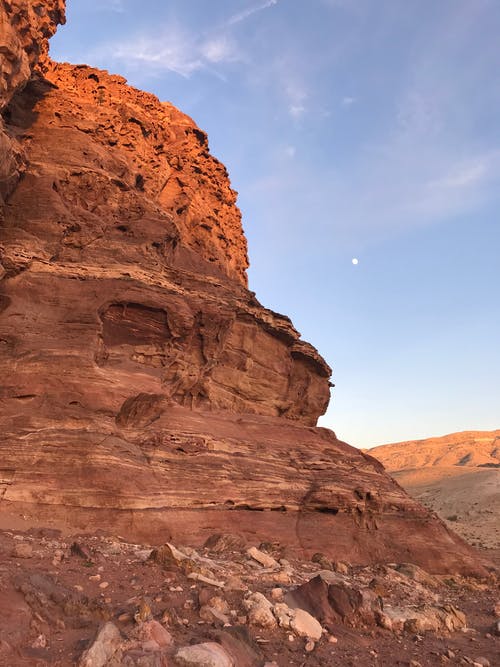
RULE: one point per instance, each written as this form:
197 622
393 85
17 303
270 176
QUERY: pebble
104 584
277 593
262 558
22 550
306 625
203 655
310 646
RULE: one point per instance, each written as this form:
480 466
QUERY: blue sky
350 128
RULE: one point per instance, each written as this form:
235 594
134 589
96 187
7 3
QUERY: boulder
105 645
208 654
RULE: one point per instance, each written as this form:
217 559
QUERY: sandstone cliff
144 388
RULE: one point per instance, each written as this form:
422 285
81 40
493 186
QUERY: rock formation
145 390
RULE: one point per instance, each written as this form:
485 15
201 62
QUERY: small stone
152 631
208 654
104 584
206 580
310 646
283 614
22 550
484 662
234 583
262 558
95 577
212 615
281 578
277 593
306 625
77 550
124 618
291 638
105 645
78 588
143 612
261 616
341 567
40 642
332 639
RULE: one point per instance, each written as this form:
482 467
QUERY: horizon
351 132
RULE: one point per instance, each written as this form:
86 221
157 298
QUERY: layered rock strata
145 389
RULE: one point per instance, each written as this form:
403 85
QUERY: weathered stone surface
208 654
306 625
334 601
25 26
106 644
262 558
146 390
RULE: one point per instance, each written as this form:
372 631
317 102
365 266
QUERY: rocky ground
91 600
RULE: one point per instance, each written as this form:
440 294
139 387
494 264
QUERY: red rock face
25 26
145 390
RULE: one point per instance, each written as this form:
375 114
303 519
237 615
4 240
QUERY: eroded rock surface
145 389
25 26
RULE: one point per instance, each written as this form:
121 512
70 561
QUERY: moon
354 260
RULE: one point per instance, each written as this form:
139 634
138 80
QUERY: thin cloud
246 13
178 51
347 101
296 110
219 49
111 5
463 176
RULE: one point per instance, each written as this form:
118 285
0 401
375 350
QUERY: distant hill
468 448
456 475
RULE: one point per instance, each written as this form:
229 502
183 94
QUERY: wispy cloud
347 101
247 13
111 5
217 50
465 175
176 50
